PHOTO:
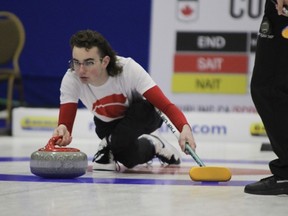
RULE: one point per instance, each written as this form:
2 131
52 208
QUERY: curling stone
58 162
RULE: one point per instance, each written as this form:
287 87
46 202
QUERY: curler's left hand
186 136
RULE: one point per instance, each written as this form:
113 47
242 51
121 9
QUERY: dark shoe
268 186
103 159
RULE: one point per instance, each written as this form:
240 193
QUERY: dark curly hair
88 39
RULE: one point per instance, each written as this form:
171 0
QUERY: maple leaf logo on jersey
187 10
112 106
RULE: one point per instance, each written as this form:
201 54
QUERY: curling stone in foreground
58 162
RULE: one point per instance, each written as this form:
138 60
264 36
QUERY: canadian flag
187 10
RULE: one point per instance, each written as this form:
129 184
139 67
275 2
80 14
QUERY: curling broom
201 173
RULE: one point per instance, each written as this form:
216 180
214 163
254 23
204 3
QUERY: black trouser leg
269 91
140 118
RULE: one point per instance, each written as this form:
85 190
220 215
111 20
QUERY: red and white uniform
109 101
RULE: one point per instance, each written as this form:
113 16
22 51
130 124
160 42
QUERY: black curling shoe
268 186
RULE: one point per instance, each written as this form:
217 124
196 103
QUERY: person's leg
103 158
269 91
127 147
130 141
104 129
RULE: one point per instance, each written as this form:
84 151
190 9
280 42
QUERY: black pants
140 118
269 86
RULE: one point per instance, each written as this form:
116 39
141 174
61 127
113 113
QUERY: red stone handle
51 146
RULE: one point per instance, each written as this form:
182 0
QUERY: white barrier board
231 127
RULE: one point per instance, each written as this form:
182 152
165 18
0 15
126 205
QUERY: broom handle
176 133
194 155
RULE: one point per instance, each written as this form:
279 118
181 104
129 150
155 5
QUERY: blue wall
49 25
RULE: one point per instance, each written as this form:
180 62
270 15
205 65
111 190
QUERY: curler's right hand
63 132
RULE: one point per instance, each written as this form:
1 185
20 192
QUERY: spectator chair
12 39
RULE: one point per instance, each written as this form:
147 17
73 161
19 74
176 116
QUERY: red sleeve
67 115
156 97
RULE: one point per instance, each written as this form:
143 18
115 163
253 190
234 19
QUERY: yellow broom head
219 174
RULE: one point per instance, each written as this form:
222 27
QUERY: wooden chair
12 39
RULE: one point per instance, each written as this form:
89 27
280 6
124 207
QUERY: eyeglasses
75 65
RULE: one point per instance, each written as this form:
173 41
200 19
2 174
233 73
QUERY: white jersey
110 100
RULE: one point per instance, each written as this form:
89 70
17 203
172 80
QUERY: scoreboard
202 52
212 62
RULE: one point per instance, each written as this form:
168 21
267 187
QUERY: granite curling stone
58 162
